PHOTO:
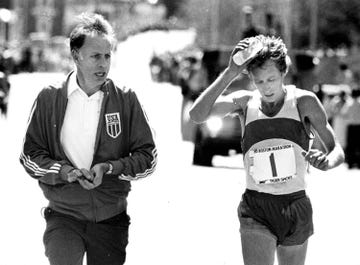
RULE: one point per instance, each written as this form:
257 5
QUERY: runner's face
269 81
93 62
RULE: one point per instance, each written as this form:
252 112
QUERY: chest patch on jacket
113 125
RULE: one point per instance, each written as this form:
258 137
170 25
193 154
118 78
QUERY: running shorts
287 218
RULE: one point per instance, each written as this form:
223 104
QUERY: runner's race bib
273 164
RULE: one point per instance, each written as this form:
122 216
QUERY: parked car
216 136
4 93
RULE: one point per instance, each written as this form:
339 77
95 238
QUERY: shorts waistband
282 197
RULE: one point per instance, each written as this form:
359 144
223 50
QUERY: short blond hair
273 49
90 23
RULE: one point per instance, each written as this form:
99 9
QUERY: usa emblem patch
113 125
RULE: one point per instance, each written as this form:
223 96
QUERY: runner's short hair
273 49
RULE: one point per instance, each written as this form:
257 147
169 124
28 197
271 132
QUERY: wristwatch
110 170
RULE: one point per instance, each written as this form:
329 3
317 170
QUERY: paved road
182 214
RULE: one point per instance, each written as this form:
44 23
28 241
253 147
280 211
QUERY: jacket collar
108 84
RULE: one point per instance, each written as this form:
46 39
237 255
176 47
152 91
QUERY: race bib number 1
275 164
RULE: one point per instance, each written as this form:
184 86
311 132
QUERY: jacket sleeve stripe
28 164
146 173
55 168
26 160
38 171
154 151
150 170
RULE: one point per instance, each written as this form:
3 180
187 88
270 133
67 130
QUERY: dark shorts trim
287 218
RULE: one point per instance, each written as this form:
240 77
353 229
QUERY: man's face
93 61
269 81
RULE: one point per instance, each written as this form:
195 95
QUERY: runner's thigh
294 255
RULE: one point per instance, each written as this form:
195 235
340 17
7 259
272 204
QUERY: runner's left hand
317 159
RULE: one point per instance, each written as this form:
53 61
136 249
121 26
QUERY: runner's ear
75 54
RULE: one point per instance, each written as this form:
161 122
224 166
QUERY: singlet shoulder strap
306 124
251 100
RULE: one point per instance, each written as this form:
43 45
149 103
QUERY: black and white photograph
172 132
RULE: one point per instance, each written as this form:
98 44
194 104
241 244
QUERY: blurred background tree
173 8
220 24
338 23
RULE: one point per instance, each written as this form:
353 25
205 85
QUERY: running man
278 123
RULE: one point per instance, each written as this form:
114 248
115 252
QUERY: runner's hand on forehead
241 45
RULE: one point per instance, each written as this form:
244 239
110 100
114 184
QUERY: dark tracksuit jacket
123 137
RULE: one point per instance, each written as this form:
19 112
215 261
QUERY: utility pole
314 4
286 17
214 20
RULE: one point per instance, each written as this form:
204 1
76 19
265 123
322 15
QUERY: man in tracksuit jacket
87 206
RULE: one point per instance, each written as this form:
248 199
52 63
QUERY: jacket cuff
65 169
118 167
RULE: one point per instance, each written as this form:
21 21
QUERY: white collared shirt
78 133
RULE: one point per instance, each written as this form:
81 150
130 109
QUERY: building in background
6 19
43 19
38 29
225 22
